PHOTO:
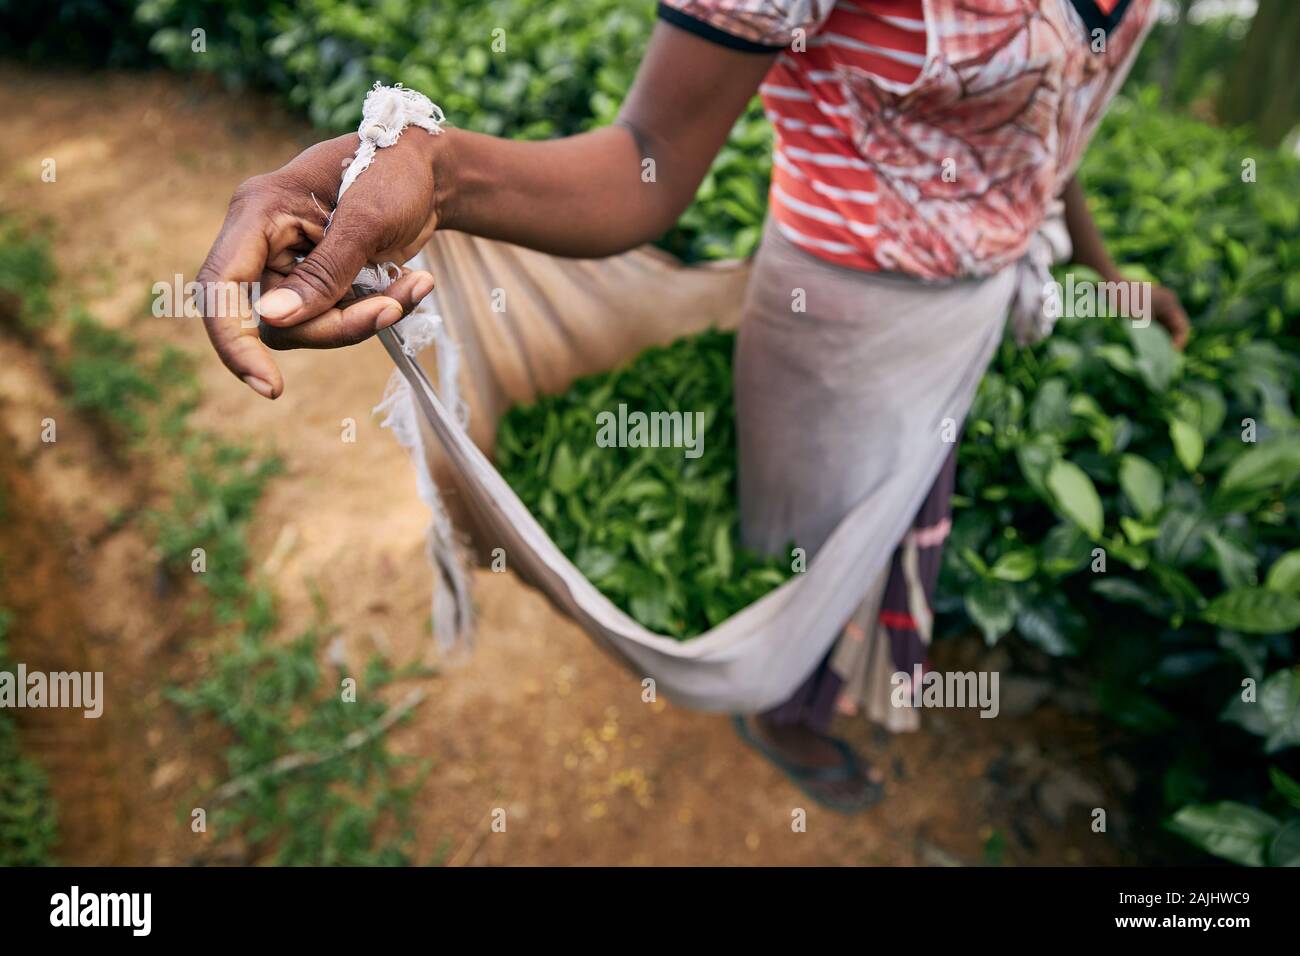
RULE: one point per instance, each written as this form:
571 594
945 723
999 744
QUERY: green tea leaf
1142 485
1015 566
1118 358
1286 785
1136 532
1127 591
564 471
1182 537
1076 496
1284 575
1284 848
1255 610
1050 411
1133 708
1189 446
651 610
1264 466
1236 564
1272 713
1202 405
722 553
1232 831
1065 548
1279 702
1035 458
1045 625
1154 356
992 606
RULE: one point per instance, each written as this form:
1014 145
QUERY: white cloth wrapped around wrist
387 111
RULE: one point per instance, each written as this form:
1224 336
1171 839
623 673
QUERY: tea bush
28 818
1177 474
28 822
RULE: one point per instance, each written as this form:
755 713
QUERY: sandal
801 776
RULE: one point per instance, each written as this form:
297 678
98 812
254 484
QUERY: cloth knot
1050 244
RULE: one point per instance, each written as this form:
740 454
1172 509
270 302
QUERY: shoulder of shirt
676 13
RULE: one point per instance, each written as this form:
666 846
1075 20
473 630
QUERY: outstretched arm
607 191
590 195
1090 251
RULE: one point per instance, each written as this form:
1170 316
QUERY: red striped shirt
926 137
823 192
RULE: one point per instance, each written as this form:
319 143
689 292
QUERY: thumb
318 282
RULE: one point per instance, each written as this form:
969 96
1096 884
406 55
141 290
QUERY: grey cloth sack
509 324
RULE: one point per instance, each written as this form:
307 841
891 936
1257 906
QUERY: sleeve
756 26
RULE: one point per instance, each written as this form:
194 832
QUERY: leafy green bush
501 67
1206 52
657 531
28 829
104 379
28 821
1184 470
1244 833
345 799
26 275
342 805
338 804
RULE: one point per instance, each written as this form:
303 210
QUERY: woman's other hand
1169 312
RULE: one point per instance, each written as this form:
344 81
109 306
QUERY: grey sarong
827 403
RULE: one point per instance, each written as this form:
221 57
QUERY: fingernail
278 303
423 286
262 388
388 317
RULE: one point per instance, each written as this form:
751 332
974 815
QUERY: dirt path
538 722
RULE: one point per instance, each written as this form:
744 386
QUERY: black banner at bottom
216 906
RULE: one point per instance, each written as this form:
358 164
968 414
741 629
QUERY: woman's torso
929 137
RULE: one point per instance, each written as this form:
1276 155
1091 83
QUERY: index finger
230 282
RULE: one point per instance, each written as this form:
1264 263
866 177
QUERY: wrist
1105 269
439 155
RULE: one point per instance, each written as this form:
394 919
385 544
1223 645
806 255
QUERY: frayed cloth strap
387 111
452 600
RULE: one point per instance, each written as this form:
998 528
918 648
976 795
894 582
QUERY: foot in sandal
824 768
